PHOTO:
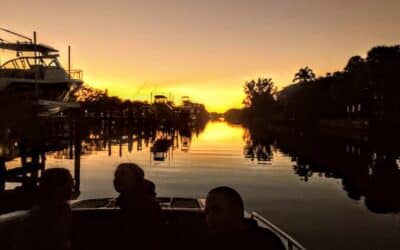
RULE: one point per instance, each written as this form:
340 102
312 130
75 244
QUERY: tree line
366 89
95 102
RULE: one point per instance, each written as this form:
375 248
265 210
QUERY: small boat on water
93 220
36 74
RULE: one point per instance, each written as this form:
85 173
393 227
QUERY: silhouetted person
49 223
141 216
150 188
229 229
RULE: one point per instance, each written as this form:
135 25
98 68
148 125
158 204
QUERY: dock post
77 158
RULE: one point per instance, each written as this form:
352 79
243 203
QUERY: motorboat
92 222
35 73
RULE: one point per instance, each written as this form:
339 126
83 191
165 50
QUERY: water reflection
367 165
23 155
258 147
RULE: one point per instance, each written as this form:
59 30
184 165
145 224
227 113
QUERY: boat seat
186 228
96 228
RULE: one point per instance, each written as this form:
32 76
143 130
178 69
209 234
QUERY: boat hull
35 89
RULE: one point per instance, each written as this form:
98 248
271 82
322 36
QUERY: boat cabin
36 74
160 99
42 65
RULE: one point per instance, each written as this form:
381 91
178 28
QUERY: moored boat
35 73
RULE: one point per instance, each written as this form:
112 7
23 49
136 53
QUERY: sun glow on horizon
217 95
204 49
215 98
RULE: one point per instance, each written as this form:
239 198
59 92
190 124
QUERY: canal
327 193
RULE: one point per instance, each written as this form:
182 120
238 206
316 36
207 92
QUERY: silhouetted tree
355 64
365 90
234 116
304 75
87 93
384 65
255 90
260 99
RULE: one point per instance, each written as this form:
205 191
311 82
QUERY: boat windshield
26 63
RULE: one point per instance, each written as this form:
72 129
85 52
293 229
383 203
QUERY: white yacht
36 73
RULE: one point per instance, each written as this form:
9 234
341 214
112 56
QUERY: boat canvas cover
28 47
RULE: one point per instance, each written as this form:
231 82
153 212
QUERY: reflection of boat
190 108
185 144
160 149
38 75
93 219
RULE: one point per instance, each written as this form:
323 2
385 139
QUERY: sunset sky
205 49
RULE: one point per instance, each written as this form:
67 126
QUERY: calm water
322 208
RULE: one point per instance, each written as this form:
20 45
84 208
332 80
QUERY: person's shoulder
266 237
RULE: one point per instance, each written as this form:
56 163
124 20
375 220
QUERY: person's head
224 209
128 177
55 185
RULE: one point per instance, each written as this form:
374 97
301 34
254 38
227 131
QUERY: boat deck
93 224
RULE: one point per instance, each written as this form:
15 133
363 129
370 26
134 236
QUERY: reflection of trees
383 189
29 139
364 173
258 147
101 134
28 147
303 170
369 170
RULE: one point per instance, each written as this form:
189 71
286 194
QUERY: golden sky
205 49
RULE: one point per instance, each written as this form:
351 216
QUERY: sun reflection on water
220 132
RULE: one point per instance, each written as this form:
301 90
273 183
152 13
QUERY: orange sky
205 49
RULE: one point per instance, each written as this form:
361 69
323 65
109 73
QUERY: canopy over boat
28 47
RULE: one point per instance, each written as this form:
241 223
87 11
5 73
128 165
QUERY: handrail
292 243
75 74
13 216
28 57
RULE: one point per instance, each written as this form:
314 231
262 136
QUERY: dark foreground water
327 195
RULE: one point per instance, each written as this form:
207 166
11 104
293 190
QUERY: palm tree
304 75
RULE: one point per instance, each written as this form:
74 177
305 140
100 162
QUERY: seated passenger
141 215
49 223
128 182
229 229
150 188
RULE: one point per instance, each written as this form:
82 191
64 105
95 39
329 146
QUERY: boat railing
9 219
76 74
291 243
26 62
